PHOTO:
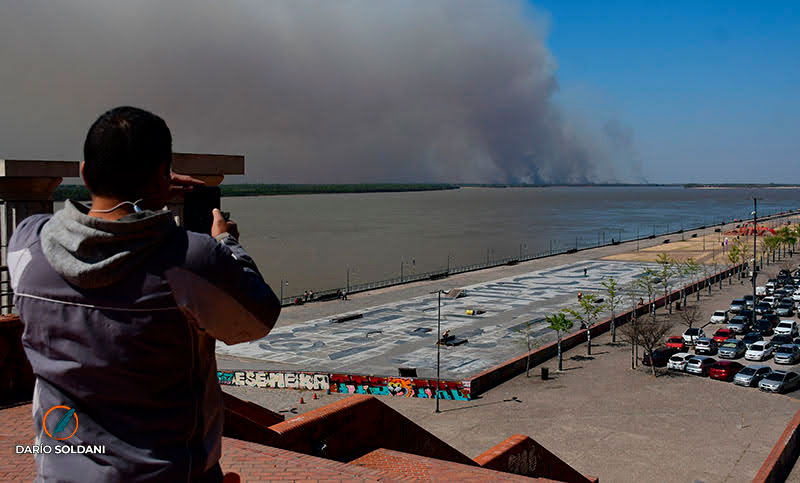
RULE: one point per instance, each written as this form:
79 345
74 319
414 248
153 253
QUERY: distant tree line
79 192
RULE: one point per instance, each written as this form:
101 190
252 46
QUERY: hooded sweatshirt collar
92 252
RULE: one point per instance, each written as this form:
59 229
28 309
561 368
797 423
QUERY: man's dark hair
123 150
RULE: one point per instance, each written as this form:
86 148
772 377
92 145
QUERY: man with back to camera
122 309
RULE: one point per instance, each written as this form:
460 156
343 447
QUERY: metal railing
441 273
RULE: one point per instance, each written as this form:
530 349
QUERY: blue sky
710 89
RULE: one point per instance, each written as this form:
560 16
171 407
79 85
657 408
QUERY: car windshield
692 331
675 339
729 345
747 371
757 347
676 358
775 376
785 324
785 348
719 313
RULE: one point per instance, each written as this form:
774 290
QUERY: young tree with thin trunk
636 302
690 268
614 301
530 342
561 324
587 313
646 282
666 272
650 334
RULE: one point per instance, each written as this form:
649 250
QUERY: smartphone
197 206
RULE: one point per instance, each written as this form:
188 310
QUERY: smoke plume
309 91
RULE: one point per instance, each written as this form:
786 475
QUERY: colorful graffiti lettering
398 386
281 380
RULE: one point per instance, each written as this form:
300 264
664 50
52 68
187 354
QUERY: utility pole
755 220
287 284
348 281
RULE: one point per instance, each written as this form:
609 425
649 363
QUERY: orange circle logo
62 423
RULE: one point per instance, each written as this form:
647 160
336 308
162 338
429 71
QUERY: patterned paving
403 333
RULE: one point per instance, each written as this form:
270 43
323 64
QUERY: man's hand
220 225
181 183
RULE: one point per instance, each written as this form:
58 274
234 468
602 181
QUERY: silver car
678 361
700 365
731 349
786 354
750 376
779 381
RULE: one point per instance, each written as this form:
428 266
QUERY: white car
772 301
691 335
787 327
678 361
720 317
759 351
796 295
761 290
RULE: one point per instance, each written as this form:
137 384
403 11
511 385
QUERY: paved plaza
403 333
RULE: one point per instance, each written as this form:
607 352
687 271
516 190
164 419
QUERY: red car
677 342
724 370
723 334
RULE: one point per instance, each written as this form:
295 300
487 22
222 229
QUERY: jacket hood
92 252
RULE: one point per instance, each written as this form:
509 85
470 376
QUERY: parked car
699 365
786 354
724 370
787 327
731 349
763 308
781 339
761 290
771 285
693 333
763 327
747 314
772 301
719 317
779 381
705 346
736 306
678 361
796 295
773 319
739 324
723 334
748 301
677 342
752 337
751 375
785 309
660 356
760 351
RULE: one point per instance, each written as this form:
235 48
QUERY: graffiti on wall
280 380
398 386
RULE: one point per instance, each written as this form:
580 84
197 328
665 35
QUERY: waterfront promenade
397 325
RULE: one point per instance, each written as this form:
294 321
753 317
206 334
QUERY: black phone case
197 207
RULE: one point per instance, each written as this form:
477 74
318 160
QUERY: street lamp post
438 346
287 284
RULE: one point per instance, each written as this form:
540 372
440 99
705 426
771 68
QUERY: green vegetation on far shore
79 192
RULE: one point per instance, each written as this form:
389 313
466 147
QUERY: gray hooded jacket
121 319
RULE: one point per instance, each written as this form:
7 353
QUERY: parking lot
739 290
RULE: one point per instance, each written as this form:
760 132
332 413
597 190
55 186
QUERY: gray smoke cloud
309 91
